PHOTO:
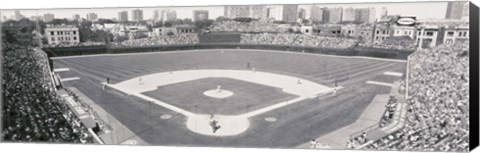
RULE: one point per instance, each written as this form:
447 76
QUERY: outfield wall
358 51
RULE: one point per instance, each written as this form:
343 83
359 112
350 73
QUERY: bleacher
433 118
32 111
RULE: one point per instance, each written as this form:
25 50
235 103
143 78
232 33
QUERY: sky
418 9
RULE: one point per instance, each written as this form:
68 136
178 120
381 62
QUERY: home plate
270 119
322 146
230 125
130 142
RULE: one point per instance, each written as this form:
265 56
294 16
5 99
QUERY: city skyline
404 9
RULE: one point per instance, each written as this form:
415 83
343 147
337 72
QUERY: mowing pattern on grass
322 69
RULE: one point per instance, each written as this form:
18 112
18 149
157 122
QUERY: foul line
283 104
153 100
70 79
380 83
272 107
397 74
61 70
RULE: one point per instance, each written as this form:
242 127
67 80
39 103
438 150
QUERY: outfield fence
407 76
104 49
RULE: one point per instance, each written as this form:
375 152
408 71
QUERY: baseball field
272 100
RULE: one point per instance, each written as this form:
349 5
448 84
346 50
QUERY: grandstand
281 93
361 78
446 93
32 111
436 110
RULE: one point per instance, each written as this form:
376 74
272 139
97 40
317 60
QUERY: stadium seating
88 43
31 109
253 26
159 40
437 117
298 40
396 43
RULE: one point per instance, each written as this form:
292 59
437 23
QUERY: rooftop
60 26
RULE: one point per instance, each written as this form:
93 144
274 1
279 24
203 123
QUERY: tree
150 28
167 24
187 21
177 21
10 37
59 21
140 35
290 30
243 19
305 21
221 19
203 24
157 24
103 21
279 22
18 32
85 33
120 38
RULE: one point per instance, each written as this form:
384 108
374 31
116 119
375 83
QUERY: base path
228 125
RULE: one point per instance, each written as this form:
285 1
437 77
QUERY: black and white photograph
375 76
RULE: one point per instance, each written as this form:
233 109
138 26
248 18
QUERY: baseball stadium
226 88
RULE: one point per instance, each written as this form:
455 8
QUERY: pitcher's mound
220 94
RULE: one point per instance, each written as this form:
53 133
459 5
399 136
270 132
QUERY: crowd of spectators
284 39
392 47
264 38
395 43
438 102
32 111
179 39
253 26
88 43
298 40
